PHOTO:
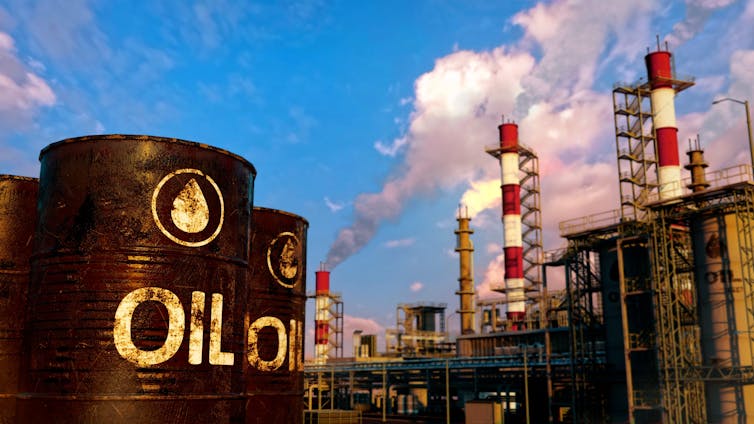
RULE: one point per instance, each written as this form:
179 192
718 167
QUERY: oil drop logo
188 207
284 259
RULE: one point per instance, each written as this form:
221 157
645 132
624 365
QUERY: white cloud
483 195
22 93
66 30
723 126
392 148
391 244
493 277
333 206
416 286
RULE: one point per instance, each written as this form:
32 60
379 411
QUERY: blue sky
370 118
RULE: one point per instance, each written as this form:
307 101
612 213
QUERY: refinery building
655 323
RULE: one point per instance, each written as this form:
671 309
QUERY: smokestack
696 166
660 76
465 249
323 315
512 240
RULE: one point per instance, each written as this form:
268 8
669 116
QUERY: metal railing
727 176
723 177
589 222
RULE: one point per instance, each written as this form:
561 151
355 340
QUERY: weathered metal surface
275 317
137 295
18 212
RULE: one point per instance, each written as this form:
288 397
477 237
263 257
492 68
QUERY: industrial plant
655 323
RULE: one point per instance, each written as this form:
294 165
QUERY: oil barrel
137 293
275 317
18 218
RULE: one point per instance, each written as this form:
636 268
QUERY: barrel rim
281 212
9 177
145 137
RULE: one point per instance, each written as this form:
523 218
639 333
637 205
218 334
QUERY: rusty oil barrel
18 217
137 295
275 317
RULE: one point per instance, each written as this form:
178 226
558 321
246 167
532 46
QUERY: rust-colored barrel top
138 293
18 212
275 317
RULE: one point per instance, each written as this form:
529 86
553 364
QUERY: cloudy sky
370 119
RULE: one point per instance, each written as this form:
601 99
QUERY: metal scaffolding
336 325
677 329
635 144
586 329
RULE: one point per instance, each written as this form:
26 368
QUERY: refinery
169 296
655 323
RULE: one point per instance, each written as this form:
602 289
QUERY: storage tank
138 283
722 315
18 217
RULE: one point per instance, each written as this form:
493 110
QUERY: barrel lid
140 137
278 211
18 178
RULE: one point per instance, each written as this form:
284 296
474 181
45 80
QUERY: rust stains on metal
18 204
275 316
138 283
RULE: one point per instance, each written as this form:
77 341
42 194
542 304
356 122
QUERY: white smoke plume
455 113
698 13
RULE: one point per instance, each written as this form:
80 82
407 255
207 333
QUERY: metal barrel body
18 218
137 295
275 318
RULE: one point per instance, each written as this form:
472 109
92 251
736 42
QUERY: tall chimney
512 240
323 316
465 249
660 75
696 166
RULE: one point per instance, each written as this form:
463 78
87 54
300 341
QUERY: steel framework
682 372
586 329
635 144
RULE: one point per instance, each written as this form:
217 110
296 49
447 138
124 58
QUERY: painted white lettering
294 349
122 328
196 335
216 356
253 349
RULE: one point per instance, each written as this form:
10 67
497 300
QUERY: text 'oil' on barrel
137 295
18 211
277 271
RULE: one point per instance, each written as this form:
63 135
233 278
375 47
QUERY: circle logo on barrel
188 207
284 259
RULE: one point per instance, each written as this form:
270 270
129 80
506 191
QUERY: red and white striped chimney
660 75
322 316
512 241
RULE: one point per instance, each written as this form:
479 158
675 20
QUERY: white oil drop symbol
190 211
